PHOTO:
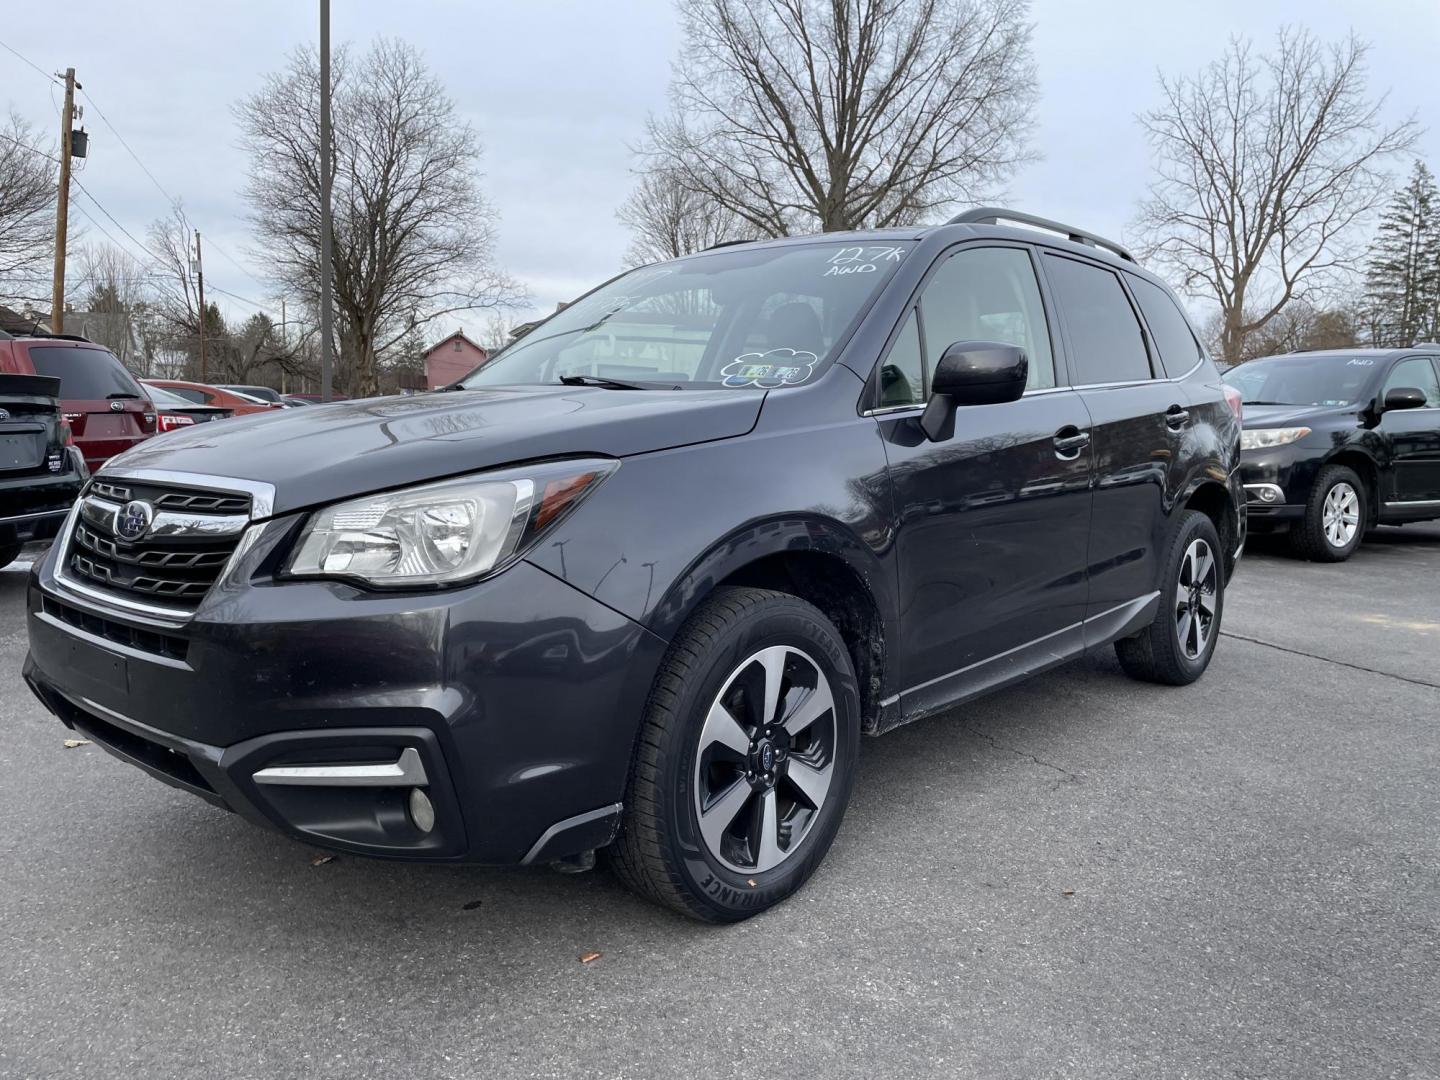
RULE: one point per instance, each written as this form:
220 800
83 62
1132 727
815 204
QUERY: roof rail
728 243
994 215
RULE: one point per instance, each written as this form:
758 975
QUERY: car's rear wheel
1177 646
745 761
1335 517
9 553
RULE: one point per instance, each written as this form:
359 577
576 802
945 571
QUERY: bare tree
1298 327
107 292
177 298
27 213
413 236
1266 164
841 114
670 220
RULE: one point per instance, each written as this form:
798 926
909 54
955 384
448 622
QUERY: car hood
1273 416
326 452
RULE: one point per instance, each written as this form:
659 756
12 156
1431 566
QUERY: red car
106 409
205 394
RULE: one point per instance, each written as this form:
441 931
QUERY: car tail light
1233 398
67 434
171 421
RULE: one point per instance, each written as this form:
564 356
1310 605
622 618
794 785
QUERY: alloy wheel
1195 599
765 760
1340 516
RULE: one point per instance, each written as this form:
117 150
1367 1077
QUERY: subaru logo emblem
116 406
132 521
4 415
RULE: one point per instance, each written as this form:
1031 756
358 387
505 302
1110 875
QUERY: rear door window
84 374
1174 340
1105 339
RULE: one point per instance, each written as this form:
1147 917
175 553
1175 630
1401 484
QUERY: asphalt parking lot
1082 877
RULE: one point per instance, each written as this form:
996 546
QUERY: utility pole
285 347
325 181
200 283
62 206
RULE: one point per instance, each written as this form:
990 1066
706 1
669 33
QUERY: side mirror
1404 397
972 373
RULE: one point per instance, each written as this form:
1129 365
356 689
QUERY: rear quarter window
1174 340
84 374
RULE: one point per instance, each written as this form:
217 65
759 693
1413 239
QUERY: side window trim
1145 336
1059 356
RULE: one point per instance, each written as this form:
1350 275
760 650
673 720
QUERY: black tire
1157 654
9 553
1309 537
661 852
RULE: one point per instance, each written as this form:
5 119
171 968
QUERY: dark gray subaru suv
642 581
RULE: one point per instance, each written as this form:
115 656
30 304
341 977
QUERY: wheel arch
1365 467
820 561
1213 499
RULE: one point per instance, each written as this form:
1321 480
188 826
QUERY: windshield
742 318
1303 380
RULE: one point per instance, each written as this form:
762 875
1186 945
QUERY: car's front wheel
745 761
1335 517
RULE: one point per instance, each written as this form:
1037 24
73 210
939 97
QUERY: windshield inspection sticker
861 260
767 370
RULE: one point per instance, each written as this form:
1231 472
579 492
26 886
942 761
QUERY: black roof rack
994 215
728 243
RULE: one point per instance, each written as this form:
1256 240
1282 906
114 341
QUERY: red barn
451 359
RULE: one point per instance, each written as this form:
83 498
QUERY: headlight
439 534
1262 438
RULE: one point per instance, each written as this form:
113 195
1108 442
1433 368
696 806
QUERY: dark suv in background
41 472
1338 442
643 579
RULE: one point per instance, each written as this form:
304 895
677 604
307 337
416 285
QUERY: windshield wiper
121 394
607 383
1257 401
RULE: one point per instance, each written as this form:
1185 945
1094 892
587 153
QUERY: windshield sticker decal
861 260
767 370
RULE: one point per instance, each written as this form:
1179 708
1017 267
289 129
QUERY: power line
128 148
32 63
99 206
227 257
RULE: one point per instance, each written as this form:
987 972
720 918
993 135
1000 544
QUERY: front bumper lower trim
406 771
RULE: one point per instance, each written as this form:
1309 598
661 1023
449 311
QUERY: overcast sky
559 90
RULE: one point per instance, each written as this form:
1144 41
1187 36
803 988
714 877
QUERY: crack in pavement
1066 775
1331 660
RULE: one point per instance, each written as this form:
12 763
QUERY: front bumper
1277 484
520 695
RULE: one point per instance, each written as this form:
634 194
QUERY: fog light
422 810
1269 494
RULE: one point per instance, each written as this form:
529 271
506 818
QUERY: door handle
1176 417
1069 441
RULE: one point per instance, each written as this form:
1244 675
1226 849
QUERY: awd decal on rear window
778 367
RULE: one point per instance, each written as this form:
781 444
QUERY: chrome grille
190 540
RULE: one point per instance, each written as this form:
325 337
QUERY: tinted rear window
1104 334
84 374
1179 351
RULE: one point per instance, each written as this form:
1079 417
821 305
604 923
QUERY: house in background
451 359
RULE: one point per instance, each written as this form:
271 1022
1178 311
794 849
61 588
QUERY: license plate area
21 450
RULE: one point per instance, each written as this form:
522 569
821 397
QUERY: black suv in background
41 472
1337 442
643 579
